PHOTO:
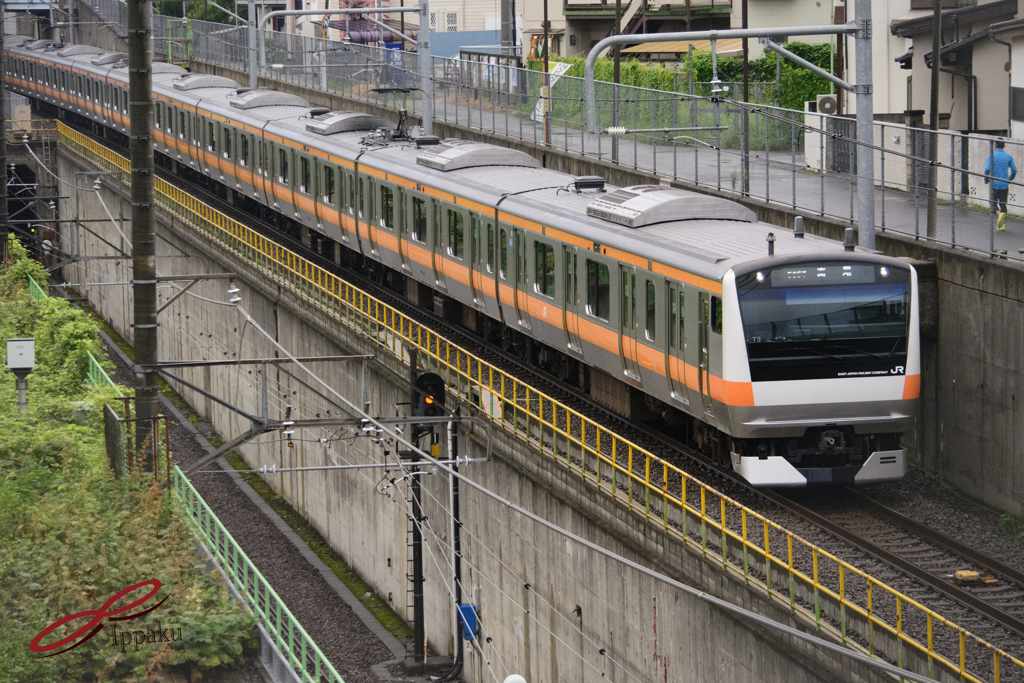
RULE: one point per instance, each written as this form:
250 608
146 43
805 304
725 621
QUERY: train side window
305 176
329 184
243 149
387 207
124 100
419 219
455 236
716 315
598 290
282 170
182 124
490 247
544 266
652 315
678 313
227 142
211 137
156 116
503 257
362 197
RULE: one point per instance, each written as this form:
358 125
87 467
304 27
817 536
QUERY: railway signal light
430 390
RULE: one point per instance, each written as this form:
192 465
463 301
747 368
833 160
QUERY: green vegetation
797 84
71 536
1008 524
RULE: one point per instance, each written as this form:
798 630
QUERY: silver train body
800 367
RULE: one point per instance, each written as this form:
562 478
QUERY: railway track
907 555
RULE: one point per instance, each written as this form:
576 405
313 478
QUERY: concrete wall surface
547 605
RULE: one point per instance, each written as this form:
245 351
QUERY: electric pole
3 152
745 115
140 110
616 58
933 119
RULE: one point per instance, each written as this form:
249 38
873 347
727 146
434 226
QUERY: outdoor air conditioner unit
828 104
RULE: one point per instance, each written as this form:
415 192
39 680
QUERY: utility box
21 356
467 615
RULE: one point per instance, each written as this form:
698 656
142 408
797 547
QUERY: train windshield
819 320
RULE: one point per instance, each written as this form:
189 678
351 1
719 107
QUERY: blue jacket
1000 164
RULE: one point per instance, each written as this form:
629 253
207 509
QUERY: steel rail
965 598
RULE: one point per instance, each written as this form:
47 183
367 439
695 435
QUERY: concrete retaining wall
578 602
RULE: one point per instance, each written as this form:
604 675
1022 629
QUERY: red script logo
96 623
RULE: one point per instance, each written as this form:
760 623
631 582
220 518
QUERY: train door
488 258
522 294
438 227
704 350
402 214
506 280
675 358
572 300
474 260
628 320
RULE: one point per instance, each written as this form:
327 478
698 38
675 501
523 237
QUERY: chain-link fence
800 160
139 446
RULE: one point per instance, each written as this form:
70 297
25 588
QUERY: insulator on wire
616 130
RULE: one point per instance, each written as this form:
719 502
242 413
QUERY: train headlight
883 271
760 277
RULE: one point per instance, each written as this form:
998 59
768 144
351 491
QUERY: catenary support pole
933 120
745 114
426 67
140 111
253 66
4 228
616 60
865 127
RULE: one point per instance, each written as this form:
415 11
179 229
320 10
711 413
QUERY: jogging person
1000 164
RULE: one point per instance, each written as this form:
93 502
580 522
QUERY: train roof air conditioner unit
828 104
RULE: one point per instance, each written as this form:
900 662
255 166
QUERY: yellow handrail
663 494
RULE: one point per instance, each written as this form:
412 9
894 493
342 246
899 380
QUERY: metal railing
802 161
35 292
287 633
97 376
813 584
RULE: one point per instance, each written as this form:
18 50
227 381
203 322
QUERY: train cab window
282 167
598 290
455 233
419 219
305 178
329 184
182 124
716 315
652 316
227 142
503 257
490 247
387 207
544 265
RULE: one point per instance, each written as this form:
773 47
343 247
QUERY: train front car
830 345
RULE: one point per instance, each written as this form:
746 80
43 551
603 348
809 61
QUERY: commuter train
794 365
